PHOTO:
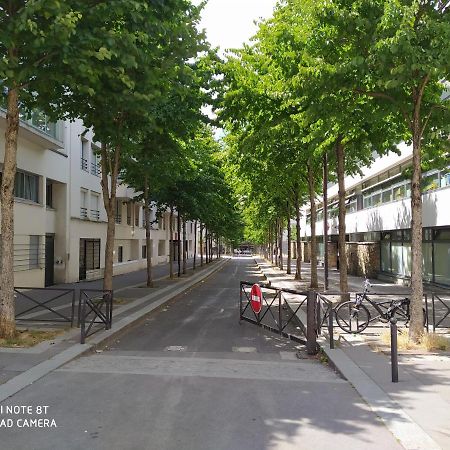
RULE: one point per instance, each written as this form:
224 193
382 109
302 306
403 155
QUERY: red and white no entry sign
256 298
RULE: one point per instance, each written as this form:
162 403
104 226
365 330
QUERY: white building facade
59 217
378 211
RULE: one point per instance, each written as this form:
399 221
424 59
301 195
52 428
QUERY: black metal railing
95 308
83 212
440 310
45 304
84 164
95 168
95 214
286 311
278 312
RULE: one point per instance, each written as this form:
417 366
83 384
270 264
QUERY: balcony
83 213
84 164
95 214
118 219
37 127
95 168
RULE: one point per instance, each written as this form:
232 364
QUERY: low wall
363 258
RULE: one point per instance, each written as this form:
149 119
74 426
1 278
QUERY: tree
395 54
144 57
35 39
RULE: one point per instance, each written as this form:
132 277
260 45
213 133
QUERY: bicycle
355 317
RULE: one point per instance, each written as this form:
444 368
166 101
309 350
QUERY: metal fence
95 308
45 305
280 311
303 315
436 309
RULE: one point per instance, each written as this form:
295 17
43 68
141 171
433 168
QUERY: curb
410 435
21 381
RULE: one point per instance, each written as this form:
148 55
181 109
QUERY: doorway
49 260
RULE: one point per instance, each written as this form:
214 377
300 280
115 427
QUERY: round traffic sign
256 298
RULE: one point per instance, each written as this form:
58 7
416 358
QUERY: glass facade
395 254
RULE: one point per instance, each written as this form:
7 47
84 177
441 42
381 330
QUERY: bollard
394 353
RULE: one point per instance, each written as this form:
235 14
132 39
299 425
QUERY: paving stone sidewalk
417 408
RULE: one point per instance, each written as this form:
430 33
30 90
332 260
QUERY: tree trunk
184 247
325 221
110 165
313 251
340 158
179 243
171 255
276 242
416 323
195 245
298 266
281 244
210 247
289 256
201 245
7 307
211 250
147 233
271 243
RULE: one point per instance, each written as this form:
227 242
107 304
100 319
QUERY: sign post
256 298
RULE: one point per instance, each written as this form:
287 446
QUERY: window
129 213
161 223
136 214
83 204
399 192
49 195
162 248
27 186
386 196
84 155
95 161
90 253
144 251
120 254
118 211
351 205
319 215
34 252
445 178
95 206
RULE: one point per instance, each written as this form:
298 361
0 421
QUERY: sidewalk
417 408
22 366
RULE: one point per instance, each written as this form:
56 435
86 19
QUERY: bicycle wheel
402 315
352 318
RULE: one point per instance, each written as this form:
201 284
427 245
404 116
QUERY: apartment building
60 221
378 221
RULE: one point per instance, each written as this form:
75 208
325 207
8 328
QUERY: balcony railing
95 168
83 213
95 214
84 164
118 219
37 119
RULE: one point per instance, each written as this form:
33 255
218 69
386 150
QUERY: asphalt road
191 377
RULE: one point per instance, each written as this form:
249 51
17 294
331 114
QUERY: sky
230 23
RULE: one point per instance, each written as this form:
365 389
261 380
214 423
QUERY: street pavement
189 376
